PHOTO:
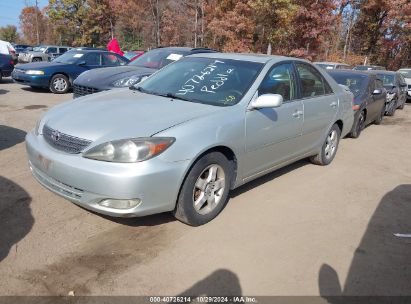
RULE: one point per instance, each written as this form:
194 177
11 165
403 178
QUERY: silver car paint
261 143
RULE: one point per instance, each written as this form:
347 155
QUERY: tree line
351 31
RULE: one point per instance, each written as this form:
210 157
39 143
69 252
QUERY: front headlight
34 72
127 82
130 150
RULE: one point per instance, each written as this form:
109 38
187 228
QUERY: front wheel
59 84
36 60
205 190
329 148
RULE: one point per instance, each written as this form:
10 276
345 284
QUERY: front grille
79 90
64 142
56 186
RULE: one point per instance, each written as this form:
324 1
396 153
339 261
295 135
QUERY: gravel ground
303 230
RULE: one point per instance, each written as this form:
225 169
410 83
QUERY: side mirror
403 85
82 63
377 92
267 101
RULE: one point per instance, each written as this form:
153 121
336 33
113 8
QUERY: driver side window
279 80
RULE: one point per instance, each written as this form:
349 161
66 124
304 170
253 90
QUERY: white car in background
406 73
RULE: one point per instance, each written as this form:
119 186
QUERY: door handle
297 114
333 104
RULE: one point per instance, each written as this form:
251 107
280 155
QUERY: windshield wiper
169 95
174 96
140 89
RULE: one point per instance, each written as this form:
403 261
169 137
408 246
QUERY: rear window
356 83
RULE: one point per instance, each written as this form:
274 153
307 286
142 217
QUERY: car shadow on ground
35 90
221 282
6 80
16 219
381 263
10 136
145 221
269 177
3 92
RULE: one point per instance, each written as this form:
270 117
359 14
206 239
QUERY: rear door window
312 83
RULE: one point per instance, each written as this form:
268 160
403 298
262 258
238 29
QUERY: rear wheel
329 148
391 108
380 117
358 125
1 76
401 107
205 190
59 84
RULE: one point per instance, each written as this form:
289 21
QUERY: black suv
125 76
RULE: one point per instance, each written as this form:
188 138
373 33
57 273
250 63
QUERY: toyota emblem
55 135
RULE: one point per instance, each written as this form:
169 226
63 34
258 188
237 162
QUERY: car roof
260 58
350 72
85 51
383 72
330 62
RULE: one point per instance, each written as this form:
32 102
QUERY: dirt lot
304 230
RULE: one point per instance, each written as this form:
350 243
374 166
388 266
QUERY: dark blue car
6 65
59 74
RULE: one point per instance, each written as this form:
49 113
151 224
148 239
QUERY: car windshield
406 73
156 59
39 49
387 80
356 83
363 68
219 82
69 57
326 66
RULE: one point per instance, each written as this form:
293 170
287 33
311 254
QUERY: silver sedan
181 139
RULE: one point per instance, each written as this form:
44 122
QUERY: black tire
59 84
1 76
359 125
401 107
191 192
380 117
36 59
392 108
324 158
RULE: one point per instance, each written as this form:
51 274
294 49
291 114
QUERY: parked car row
147 136
59 74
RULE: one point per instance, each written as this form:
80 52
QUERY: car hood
40 65
104 77
120 114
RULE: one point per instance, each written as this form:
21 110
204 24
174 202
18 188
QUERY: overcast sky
10 10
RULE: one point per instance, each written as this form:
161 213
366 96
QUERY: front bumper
87 182
41 81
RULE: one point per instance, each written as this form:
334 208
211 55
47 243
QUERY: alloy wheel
60 84
331 144
209 189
